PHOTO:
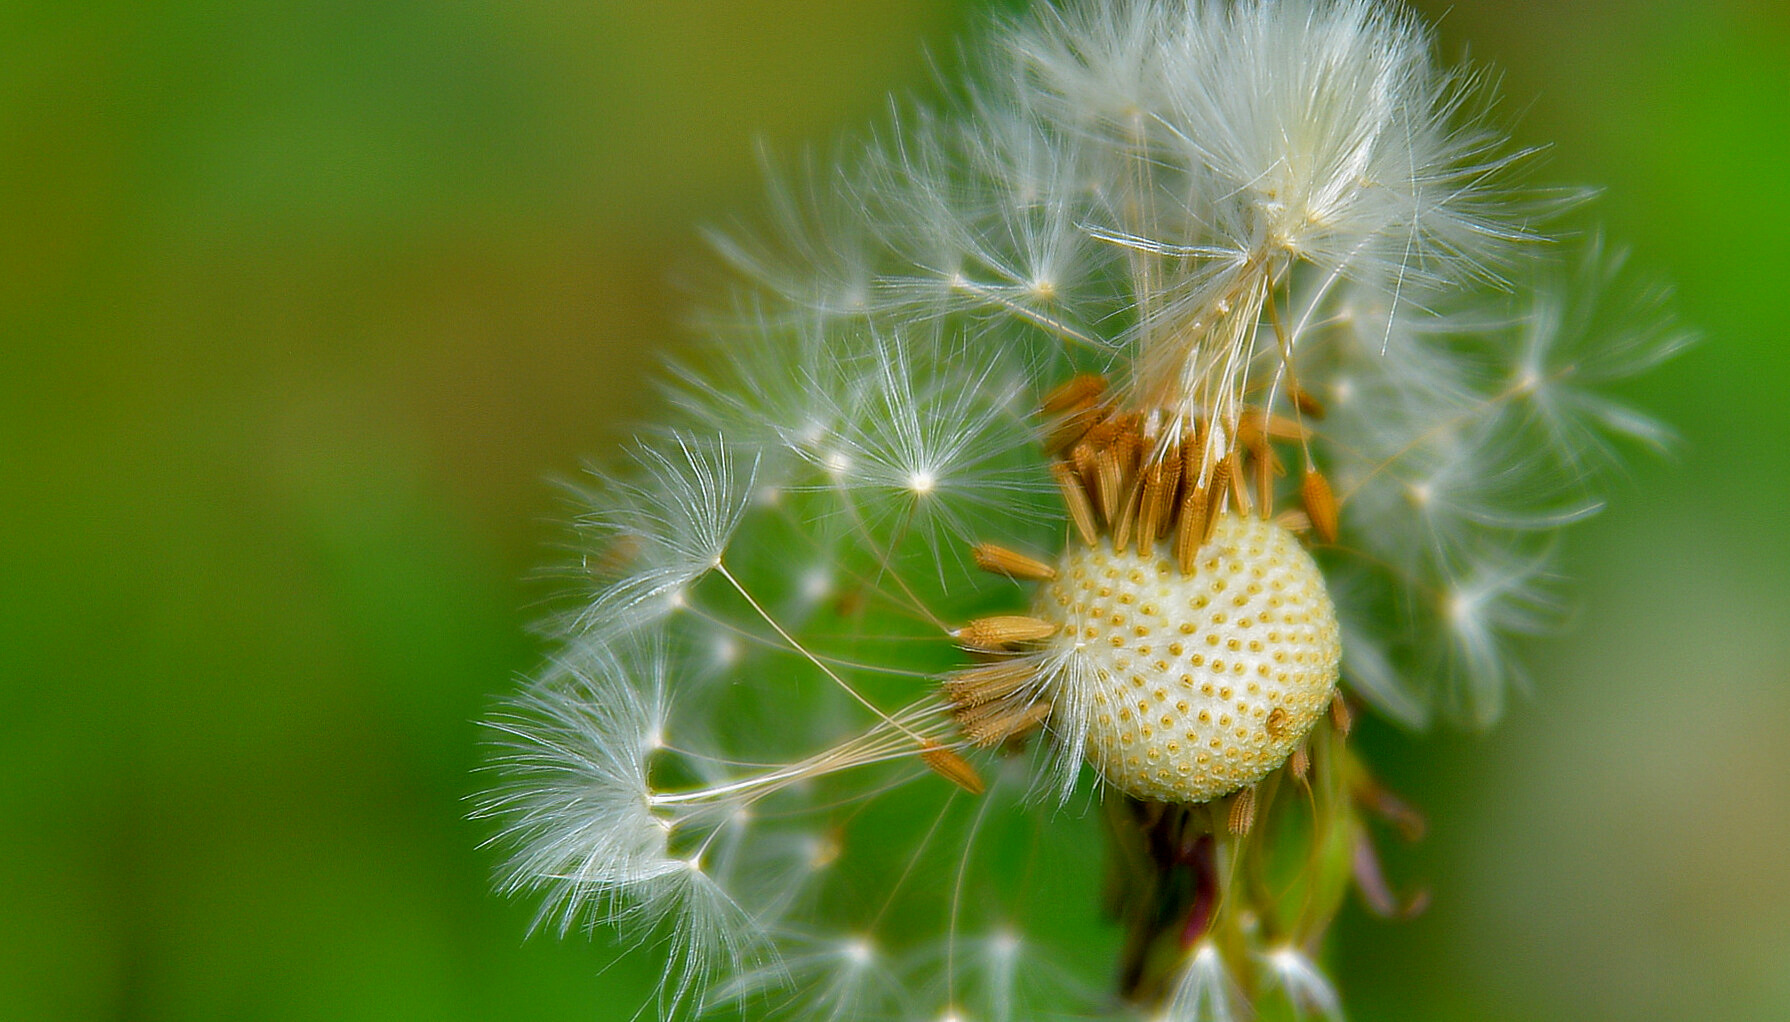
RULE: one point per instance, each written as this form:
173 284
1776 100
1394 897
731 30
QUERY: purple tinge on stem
1378 894
1202 860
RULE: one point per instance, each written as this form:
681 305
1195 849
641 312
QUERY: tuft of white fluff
1304 983
658 526
1204 989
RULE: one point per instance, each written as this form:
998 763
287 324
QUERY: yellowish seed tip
1340 715
1320 504
951 767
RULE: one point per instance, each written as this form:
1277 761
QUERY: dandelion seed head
1110 431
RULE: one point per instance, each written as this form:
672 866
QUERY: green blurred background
300 303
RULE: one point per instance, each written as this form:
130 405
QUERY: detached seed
1011 563
1003 630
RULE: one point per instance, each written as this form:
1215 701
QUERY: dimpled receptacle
1203 683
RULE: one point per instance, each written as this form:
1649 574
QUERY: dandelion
1069 469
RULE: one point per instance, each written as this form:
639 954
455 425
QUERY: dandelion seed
1234 316
1204 991
1305 986
674 518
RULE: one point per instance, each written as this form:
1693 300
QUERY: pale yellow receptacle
1201 684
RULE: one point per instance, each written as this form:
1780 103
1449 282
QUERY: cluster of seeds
1184 675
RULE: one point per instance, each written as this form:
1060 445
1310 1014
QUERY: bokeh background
301 303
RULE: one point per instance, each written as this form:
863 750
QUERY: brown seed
1128 513
1293 520
1239 482
1130 445
1299 763
1147 524
1250 435
1320 504
1074 392
1083 456
1072 428
1011 563
1264 481
1307 405
1255 429
951 766
1170 486
1193 455
1108 431
1192 521
973 720
1073 410
1277 721
1002 630
1149 513
1340 715
1075 500
974 686
1109 477
1221 481
1242 816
